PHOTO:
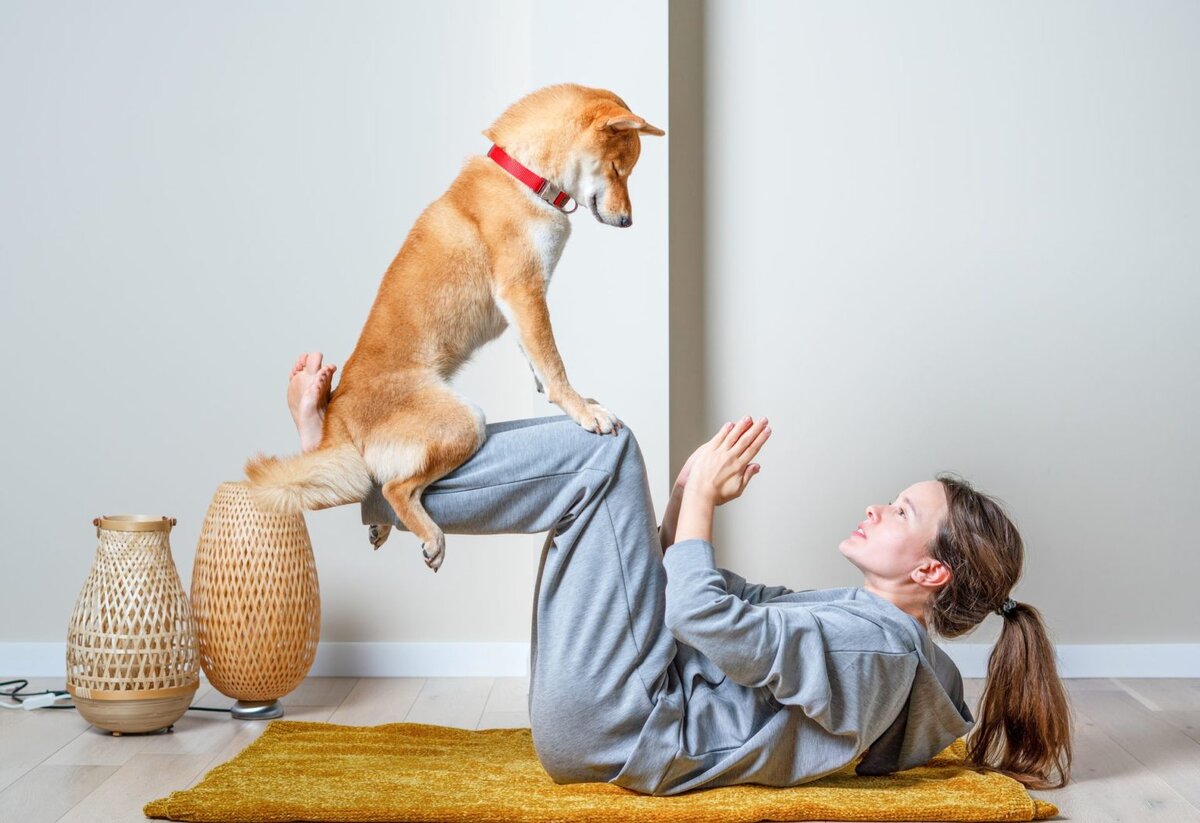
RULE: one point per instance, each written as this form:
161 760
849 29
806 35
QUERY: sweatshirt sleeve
758 646
736 585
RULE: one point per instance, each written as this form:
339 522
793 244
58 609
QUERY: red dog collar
542 187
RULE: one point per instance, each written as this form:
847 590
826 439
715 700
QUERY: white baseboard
1096 660
333 660
512 660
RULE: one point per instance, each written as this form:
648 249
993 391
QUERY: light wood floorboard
1137 744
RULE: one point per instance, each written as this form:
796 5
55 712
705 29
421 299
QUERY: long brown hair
1024 723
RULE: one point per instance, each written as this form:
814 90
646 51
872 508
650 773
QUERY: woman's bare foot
307 396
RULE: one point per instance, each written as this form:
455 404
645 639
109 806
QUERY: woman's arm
737 585
695 516
666 531
785 649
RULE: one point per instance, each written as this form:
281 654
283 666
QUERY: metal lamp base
256 710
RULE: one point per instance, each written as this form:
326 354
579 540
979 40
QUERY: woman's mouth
859 533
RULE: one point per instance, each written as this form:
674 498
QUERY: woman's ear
932 573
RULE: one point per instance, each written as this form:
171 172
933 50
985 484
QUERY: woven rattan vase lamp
255 601
132 662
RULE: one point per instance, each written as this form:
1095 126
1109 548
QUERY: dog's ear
625 120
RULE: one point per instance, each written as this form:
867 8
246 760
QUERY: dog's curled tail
328 476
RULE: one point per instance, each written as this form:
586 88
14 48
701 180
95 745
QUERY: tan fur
313 480
479 256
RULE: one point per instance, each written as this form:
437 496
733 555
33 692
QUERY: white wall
609 306
191 195
918 236
963 236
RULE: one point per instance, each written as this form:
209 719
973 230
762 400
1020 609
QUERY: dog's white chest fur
548 238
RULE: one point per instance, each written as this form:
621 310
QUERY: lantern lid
134 523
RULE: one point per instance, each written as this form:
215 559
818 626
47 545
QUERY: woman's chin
847 552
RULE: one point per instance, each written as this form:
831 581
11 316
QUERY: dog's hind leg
378 534
440 432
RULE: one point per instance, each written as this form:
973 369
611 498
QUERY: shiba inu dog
479 258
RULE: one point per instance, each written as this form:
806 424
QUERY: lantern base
127 712
256 710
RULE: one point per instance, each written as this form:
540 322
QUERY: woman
655 670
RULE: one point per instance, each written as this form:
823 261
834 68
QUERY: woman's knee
615 453
629 449
618 442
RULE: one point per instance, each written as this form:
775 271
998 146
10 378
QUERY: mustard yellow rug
412 772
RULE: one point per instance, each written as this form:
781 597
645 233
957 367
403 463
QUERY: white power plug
41 701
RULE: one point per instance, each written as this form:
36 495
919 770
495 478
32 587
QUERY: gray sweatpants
600 649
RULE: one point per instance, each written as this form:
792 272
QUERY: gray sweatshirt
778 688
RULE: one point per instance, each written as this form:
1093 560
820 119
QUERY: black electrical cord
16 695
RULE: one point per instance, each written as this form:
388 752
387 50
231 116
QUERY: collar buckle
555 196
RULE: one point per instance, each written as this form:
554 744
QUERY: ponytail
1024 726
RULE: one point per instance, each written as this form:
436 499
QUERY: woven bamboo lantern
256 602
132 661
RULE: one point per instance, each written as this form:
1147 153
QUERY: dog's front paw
378 533
434 551
595 418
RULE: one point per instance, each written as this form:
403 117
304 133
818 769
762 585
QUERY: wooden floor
1137 748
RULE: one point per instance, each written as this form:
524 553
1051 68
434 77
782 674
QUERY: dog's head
585 140
608 149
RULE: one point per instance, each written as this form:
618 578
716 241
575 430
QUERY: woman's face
889 545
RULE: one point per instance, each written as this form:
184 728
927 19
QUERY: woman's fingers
748 437
757 443
743 480
739 428
719 437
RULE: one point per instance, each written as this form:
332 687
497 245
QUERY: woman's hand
720 470
716 473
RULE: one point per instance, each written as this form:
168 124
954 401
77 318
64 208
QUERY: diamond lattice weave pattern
255 597
132 629
408 771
